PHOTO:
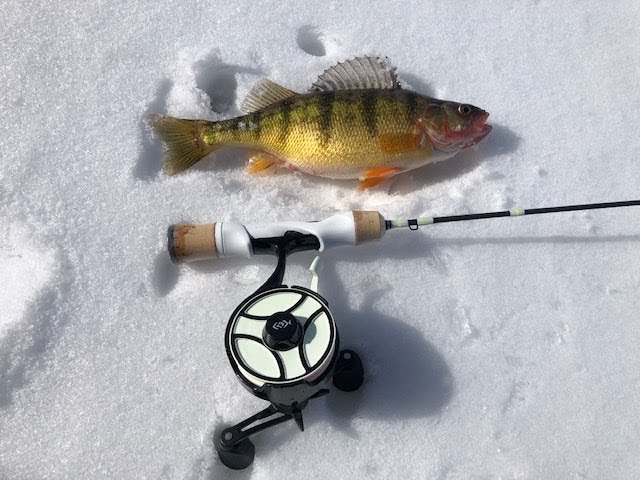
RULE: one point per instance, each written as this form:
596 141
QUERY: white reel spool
282 343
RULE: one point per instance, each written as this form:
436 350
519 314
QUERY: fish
355 122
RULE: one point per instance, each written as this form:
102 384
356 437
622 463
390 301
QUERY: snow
503 348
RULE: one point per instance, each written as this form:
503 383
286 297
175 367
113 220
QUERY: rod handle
369 226
188 242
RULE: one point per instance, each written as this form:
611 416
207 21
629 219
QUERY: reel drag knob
282 331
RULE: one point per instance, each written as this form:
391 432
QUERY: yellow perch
355 122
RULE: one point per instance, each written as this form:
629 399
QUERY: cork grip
188 243
369 226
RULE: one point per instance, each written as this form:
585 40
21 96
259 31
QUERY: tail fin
184 144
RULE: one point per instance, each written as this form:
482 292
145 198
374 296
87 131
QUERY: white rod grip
228 239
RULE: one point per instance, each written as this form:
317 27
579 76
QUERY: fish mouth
450 141
480 129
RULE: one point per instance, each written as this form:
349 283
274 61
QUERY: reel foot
349 373
238 456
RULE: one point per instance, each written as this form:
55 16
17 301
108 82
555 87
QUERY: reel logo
282 324
282 331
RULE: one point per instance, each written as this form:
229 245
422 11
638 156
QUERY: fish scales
324 130
337 129
350 131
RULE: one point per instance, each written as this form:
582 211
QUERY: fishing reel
283 345
282 342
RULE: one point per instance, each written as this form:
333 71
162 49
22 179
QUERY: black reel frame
233 445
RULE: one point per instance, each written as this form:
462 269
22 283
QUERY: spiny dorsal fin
357 74
265 93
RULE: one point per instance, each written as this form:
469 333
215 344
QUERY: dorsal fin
263 94
357 74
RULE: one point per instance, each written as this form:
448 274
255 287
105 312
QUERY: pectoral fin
372 178
264 164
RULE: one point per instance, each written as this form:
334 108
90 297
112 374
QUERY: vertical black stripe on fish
285 121
254 122
369 99
234 129
325 104
411 106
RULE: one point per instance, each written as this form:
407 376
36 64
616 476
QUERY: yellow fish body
355 122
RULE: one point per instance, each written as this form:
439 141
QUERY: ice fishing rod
190 242
283 341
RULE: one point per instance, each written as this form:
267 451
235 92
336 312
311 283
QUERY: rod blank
414 223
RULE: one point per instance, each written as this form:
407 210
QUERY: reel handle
194 242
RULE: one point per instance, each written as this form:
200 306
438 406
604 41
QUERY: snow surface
495 349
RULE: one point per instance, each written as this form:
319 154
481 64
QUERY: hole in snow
309 39
218 80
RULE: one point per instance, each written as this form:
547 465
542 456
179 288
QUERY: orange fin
263 164
372 178
399 142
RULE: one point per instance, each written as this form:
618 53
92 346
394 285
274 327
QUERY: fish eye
464 109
